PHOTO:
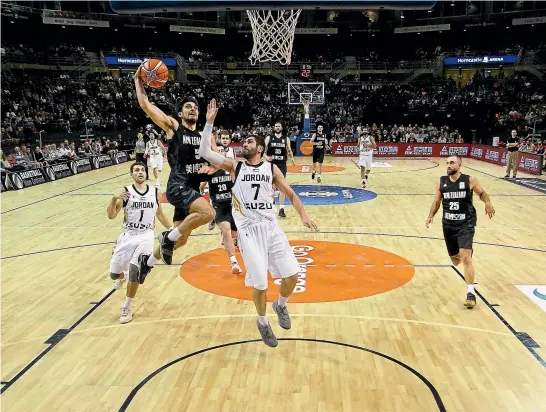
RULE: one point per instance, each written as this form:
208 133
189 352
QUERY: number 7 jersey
140 209
252 194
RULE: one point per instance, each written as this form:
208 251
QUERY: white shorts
264 246
128 248
365 160
156 162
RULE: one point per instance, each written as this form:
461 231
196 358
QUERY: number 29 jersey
252 194
140 210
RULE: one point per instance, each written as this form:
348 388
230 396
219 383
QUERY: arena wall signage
404 149
82 165
527 162
467 60
28 178
120 157
75 22
194 29
419 29
133 61
58 171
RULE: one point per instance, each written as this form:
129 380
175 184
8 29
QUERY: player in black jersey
277 152
319 142
220 196
454 192
190 209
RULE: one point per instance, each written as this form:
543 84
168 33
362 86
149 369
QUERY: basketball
154 73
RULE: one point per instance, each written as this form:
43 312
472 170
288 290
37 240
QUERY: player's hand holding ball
153 73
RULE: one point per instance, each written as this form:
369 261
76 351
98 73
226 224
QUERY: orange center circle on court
309 169
306 147
330 272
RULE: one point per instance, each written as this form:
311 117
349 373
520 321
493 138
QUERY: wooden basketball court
407 344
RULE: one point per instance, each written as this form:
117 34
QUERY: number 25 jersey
252 194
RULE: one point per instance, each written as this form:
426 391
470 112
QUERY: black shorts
223 214
458 237
181 196
318 156
282 168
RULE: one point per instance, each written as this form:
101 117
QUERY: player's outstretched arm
167 123
163 217
116 204
484 197
435 206
205 149
284 187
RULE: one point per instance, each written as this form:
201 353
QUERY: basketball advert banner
404 149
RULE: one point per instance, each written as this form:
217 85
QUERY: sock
282 301
319 175
470 289
174 234
128 302
233 260
152 260
263 320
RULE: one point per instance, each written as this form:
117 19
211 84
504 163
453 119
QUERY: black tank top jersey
277 149
320 140
458 209
220 187
183 158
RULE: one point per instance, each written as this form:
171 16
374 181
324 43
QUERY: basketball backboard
312 92
157 6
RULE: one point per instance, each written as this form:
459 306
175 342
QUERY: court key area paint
330 272
320 195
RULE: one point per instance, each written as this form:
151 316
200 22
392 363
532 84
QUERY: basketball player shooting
366 145
140 204
263 244
277 150
459 218
319 142
191 210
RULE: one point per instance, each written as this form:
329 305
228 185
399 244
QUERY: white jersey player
155 149
366 144
140 204
263 244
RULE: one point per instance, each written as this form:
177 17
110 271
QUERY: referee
140 149
512 145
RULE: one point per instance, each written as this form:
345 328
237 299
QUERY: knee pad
133 273
115 276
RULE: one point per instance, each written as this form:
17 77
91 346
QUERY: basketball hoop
273 34
306 106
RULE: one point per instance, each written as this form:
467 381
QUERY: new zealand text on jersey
221 179
454 195
193 140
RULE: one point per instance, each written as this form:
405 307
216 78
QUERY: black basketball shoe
166 247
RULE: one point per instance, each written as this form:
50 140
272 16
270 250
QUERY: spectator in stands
39 156
527 146
5 164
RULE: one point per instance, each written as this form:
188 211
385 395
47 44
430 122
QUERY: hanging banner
528 20
134 61
419 29
62 21
194 29
464 60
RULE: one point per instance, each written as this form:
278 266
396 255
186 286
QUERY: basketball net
306 108
273 34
